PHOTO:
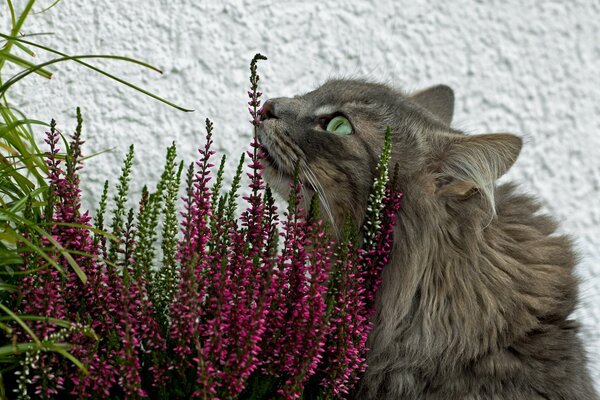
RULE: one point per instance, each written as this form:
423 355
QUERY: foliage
228 315
25 198
92 311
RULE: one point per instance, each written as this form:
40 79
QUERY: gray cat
477 299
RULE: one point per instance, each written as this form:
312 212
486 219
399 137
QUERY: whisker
305 199
310 175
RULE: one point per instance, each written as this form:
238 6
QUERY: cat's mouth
271 159
270 155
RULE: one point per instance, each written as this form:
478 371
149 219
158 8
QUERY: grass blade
6 56
78 59
19 321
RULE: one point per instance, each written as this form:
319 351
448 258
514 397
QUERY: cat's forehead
342 91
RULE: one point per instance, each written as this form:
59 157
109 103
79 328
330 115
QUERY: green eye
339 125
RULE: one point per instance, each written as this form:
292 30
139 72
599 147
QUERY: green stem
77 59
16 26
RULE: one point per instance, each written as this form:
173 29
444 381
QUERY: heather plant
94 310
224 313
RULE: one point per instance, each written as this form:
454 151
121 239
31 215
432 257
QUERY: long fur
472 313
476 301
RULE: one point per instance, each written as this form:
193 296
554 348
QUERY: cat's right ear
438 100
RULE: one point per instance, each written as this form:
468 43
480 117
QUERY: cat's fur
477 299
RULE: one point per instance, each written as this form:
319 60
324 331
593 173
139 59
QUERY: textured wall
521 66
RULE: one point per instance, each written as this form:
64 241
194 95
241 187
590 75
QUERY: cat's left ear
438 100
470 164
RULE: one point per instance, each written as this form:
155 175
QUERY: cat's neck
455 292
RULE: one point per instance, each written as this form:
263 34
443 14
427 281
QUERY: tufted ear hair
438 100
469 165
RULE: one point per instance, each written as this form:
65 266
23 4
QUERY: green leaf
16 25
13 18
60 348
47 8
97 231
7 288
25 49
56 321
5 128
19 321
19 205
78 59
4 55
7 215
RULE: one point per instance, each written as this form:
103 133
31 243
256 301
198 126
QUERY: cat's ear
439 100
471 164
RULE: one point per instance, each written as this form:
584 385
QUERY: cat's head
335 135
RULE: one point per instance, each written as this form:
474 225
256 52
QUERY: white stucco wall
527 67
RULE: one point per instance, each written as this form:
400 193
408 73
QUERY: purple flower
241 310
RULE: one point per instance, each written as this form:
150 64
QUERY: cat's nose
268 110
